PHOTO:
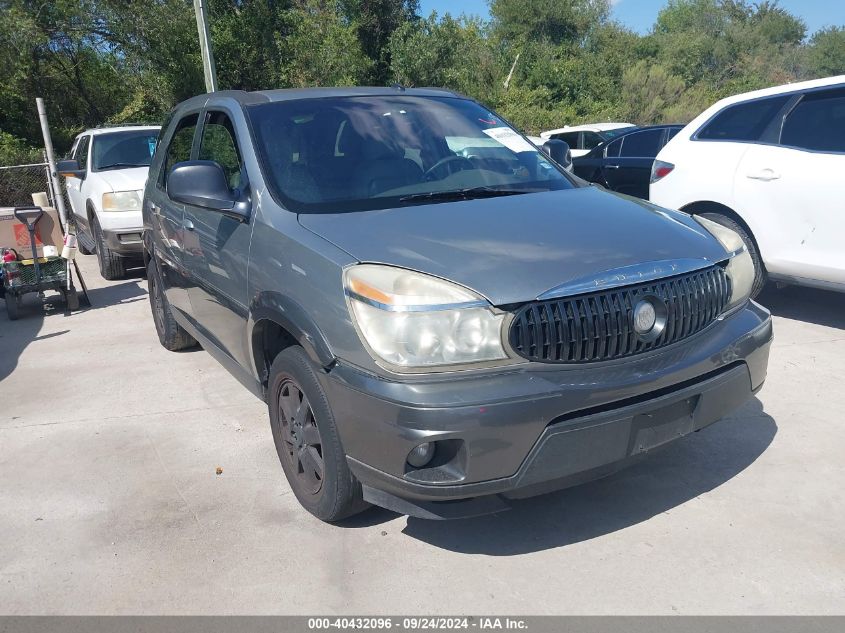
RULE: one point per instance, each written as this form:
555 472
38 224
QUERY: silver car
439 317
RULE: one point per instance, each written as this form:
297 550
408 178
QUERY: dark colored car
624 163
437 323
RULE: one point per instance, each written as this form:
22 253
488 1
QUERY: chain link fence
19 182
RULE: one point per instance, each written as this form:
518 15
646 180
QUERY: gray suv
439 318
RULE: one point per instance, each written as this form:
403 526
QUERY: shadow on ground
16 335
118 293
822 307
665 480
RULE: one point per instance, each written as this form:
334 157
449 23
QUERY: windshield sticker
151 143
510 139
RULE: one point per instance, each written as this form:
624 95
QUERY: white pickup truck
105 179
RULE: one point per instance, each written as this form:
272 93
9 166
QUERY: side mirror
70 169
201 183
558 151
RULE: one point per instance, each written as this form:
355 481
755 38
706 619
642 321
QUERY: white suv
105 181
769 164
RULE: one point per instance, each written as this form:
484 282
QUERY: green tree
650 89
521 21
376 21
321 48
448 52
826 53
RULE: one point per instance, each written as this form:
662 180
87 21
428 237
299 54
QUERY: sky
639 15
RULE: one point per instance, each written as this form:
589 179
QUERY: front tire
111 265
82 240
171 335
760 274
307 440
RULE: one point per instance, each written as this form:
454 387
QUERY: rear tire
760 274
171 335
12 304
111 265
307 440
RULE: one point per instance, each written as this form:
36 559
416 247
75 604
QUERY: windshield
132 148
356 153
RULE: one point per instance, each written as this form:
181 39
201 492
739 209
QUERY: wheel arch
277 322
708 206
90 213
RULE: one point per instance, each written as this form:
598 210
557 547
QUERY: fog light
421 455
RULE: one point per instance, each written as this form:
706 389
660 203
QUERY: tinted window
81 155
609 134
571 139
744 121
179 149
591 140
117 150
613 148
218 144
817 122
641 144
673 131
379 152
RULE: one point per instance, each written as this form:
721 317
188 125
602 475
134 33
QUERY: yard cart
37 274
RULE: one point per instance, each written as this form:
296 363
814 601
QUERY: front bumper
126 242
535 428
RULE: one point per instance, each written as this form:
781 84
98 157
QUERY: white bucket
69 250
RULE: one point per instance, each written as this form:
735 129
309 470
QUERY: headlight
412 320
122 201
740 268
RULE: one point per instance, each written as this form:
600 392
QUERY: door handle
188 224
612 166
765 175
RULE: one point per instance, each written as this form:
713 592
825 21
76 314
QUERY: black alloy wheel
304 446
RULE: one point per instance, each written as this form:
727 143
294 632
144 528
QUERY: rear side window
612 150
744 121
641 144
218 144
817 122
591 140
570 138
179 149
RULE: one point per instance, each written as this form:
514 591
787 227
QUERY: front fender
280 309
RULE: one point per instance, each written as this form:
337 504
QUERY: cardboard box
14 234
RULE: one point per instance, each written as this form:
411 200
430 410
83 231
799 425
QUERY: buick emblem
645 316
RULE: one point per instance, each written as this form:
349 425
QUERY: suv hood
514 248
127 179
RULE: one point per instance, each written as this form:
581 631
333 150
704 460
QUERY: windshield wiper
122 165
463 194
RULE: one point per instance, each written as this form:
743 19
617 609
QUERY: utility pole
51 162
208 68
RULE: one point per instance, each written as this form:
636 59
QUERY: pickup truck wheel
171 335
82 242
111 265
760 274
307 441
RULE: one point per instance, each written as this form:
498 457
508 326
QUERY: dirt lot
109 501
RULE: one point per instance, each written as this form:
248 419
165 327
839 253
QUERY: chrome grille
599 326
